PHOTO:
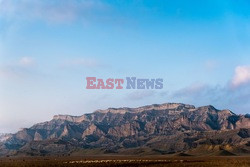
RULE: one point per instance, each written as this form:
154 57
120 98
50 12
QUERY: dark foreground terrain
120 161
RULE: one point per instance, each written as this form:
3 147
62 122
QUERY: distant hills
170 128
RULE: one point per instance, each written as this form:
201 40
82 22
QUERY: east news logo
128 83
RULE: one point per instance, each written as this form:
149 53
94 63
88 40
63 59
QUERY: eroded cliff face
148 126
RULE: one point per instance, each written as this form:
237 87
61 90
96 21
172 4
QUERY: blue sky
200 48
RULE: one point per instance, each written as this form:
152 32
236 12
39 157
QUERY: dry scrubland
121 161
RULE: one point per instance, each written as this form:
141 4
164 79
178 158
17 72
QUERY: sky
201 49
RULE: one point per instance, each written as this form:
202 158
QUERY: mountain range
158 129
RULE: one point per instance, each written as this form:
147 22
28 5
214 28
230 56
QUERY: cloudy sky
47 48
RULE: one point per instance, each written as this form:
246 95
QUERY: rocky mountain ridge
153 129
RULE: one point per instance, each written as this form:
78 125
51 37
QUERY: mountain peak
164 106
208 107
69 118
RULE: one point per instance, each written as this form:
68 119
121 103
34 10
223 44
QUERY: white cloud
26 61
241 76
50 11
18 68
202 94
234 96
192 89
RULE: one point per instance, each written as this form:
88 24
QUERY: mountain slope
4 137
154 129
